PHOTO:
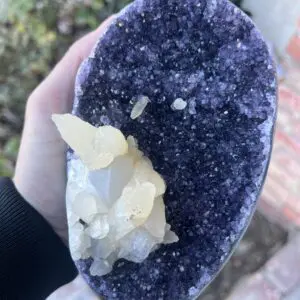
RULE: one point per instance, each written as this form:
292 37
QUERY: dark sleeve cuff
33 259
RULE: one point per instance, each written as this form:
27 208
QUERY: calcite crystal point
207 129
114 197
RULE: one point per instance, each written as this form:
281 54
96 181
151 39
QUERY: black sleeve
33 259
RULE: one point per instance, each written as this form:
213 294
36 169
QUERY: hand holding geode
207 129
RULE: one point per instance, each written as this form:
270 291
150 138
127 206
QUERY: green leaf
6 167
11 147
20 8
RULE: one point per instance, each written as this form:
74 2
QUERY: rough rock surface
213 154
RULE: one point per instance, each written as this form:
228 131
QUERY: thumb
75 290
55 94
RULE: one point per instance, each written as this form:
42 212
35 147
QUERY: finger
55 94
75 290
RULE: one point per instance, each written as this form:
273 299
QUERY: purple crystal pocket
207 129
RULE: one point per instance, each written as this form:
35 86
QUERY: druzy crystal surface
213 153
114 197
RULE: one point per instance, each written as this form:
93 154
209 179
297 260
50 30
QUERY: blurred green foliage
33 36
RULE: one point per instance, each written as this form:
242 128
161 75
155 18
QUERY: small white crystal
79 242
132 142
86 241
109 182
102 248
102 208
85 206
72 190
179 104
99 161
75 242
192 107
133 149
72 218
137 245
99 227
144 172
77 177
170 237
76 255
97 147
136 203
139 107
156 222
86 254
132 208
112 258
167 227
120 226
100 267
108 141
78 134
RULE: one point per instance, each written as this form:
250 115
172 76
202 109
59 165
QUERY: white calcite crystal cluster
114 197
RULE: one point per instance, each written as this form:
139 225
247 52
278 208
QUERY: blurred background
34 34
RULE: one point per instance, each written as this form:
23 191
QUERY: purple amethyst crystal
213 154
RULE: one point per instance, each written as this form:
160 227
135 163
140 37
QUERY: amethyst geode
213 154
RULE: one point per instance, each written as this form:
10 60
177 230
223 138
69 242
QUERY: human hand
75 290
40 174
